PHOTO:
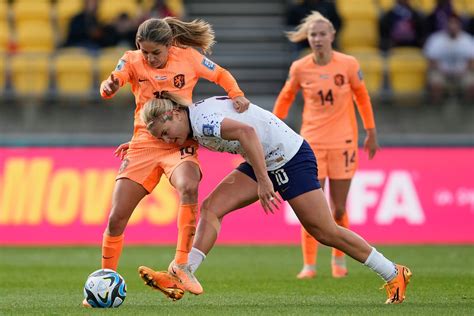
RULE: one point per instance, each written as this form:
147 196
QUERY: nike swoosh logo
284 189
141 80
104 257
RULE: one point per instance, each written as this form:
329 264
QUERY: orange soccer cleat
162 281
187 278
338 271
396 288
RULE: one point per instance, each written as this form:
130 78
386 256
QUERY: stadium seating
35 36
360 23
109 9
4 36
407 71
372 66
2 72
31 10
30 74
359 33
385 5
425 6
73 70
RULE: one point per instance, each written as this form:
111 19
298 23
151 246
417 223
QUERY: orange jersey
329 119
180 75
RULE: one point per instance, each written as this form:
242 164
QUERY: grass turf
239 281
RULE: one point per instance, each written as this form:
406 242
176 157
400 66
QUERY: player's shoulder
182 52
133 55
302 62
343 58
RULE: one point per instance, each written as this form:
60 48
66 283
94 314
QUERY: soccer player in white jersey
277 160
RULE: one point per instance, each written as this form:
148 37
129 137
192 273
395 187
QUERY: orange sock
111 251
344 222
187 216
309 246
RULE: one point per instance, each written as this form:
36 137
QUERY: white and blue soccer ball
105 288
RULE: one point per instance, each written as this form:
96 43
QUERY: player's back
279 141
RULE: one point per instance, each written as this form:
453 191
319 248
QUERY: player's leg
182 168
312 210
309 245
342 164
235 191
127 194
339 189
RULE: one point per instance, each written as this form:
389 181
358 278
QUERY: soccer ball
105 288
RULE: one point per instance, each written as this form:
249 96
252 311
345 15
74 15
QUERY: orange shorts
336 164
146 165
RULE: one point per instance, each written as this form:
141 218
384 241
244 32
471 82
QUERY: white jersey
280 143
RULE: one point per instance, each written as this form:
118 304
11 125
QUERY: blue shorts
297 176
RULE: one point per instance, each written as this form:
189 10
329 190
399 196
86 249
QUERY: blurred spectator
298 10
85 29
121 31
438 19
401 26
451 55
159 10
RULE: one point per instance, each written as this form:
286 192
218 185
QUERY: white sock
195 258
309 267
384 267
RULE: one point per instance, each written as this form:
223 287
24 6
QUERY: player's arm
248 138
211 71
364 106
287 94
117 78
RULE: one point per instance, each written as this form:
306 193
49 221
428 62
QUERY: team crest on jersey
208 130
208 63
178 81
339 80
120 65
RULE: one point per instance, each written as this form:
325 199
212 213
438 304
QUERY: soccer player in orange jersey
330 82
166 60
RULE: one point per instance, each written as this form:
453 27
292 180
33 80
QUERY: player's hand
370 143
121 150
111 85
268 198
241 104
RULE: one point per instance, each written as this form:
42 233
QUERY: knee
117 222
326 235
188 189
206 209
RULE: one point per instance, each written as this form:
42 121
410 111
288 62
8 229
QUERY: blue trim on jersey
297 176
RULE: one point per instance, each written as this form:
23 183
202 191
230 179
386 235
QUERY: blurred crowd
441 32
403 46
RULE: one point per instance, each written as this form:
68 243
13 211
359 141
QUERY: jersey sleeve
287 94
207 69
122 72
361 94
208 124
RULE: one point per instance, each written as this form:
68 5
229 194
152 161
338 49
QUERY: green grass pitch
239 281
